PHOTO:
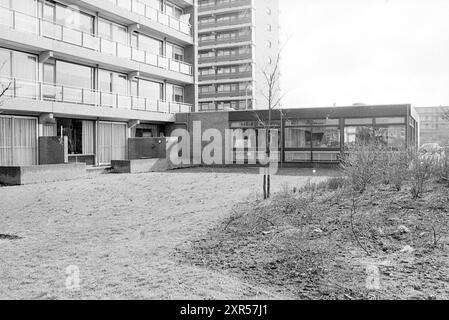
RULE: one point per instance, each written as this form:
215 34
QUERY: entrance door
112 142
18 141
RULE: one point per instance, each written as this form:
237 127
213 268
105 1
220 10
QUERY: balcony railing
218 6
154 14
30 24
217 40
217 24
33 90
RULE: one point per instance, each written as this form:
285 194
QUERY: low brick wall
52 151
40 174
147 148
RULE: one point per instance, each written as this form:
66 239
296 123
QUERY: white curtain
111 142
88 137
25 142
5 141
104 142
49 130
119 141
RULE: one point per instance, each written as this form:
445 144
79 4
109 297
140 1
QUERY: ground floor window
79 133
18 141
112 142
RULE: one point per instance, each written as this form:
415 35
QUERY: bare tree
272 94
4 88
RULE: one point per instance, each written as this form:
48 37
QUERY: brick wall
51 151
146 148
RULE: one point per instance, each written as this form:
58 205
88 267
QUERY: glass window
74 75
390 120
175 93
360 134
148 44
326 137
358 121
298 137
326 122
297 122
24 66
25 6
112 82
74 19
111 31
5 63
175 52
392 136
80 134
149 89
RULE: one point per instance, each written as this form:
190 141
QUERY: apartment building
238 40
434 127
96 71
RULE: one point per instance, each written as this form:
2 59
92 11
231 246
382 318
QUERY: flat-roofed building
307 136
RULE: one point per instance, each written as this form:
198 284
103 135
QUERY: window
175 52
298 137
74 75
147 89
269 44
112 31
148 44
112 82
80 135
269 11
73 19
390 120
359 134
268 27
175 93
391 136
326 137
359 121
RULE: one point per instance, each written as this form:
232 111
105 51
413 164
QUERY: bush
363 165
397 168
421 169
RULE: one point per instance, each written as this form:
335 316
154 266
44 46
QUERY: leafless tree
4 88
273 98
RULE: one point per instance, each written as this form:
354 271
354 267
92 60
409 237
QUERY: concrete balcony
225 76
225 6
226 95
204 27
217 41
151 19
26 90
210 60
39 35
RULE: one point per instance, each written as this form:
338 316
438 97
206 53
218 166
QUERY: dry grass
305 246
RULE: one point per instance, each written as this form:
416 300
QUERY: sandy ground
120 232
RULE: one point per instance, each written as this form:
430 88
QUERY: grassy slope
303 244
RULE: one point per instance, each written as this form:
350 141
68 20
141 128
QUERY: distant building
433 127
237 41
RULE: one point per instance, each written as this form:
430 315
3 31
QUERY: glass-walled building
312 136
96 72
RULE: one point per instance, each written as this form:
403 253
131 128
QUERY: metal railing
154 14
34 90
31 24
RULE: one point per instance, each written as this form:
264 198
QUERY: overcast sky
368 51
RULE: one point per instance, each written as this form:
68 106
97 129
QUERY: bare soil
122 233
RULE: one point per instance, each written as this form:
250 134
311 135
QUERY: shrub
421 169
397 169
363 164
